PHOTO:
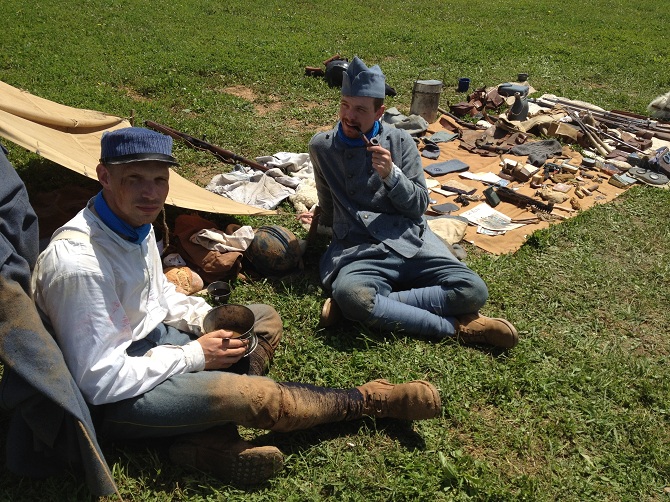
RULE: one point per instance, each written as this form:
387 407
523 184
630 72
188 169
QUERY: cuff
392 179
194 356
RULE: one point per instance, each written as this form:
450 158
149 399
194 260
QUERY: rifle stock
199 144
616 119
520 200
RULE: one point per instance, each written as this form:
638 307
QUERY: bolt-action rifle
633 123
520 200
221 153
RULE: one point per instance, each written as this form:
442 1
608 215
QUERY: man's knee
356 302
474 293
268 325
260 402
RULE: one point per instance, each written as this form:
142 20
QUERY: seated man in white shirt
135 346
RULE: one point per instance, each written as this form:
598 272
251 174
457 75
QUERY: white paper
489 177
485 216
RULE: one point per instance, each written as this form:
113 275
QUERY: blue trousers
420 296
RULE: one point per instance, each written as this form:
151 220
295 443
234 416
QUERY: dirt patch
240 91
133 94
203 175
186 112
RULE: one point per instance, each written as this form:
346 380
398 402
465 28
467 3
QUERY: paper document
485 216
489 177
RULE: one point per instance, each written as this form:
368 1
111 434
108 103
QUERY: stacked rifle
638 125
200 144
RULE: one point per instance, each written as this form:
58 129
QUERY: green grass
578 411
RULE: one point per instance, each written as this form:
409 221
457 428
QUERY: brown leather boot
479 329
304 405
223 453
257 363
416 400
260 358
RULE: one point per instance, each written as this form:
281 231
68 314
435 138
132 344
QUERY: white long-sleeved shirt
100 293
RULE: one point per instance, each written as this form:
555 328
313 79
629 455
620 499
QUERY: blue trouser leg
194 402
432 298
433 280
392 315
421 295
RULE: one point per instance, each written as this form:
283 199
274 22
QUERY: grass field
577 411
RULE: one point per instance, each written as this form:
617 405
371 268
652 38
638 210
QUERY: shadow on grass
355 336
149 461
299 441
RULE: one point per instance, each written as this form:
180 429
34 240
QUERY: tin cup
463 84
236 318
219 292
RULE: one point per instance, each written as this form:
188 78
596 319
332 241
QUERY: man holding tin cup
137 348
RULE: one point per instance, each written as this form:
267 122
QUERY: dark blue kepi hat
359 80
136 144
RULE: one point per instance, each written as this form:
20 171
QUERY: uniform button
365 217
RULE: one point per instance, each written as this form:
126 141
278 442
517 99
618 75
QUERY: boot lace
378 403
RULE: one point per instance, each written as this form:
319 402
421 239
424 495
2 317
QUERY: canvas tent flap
71 137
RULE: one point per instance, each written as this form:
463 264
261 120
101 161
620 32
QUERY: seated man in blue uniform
136 348
384 267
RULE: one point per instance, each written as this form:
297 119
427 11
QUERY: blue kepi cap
359 80
135 144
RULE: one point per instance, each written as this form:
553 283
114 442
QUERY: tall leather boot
261 358
257 363
305 405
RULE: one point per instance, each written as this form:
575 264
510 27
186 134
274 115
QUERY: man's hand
381 160
221 350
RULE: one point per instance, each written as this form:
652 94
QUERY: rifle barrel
613 119
222 153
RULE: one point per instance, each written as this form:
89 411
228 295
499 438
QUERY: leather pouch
446 208
491 197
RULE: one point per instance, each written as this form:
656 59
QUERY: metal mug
219 292
236 318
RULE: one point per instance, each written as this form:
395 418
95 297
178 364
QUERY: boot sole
249 467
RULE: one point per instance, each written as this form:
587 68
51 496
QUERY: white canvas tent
71 137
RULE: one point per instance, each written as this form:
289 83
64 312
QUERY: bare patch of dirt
531 462
203 175
133 94
240 91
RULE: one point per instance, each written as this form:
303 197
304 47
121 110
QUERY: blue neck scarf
133 234
358 141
